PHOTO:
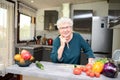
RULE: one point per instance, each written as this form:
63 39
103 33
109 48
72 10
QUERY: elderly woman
67 46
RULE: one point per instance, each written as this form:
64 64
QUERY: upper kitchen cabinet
82 20
114 13
50 19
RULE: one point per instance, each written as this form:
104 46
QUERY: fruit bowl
25 64
24 58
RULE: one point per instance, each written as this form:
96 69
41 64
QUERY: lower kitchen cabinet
83 59
36 52
46 54
39 53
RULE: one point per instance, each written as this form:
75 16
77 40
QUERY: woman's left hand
90 60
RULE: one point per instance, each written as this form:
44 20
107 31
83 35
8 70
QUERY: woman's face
65 30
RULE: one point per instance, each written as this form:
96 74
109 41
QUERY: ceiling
38 4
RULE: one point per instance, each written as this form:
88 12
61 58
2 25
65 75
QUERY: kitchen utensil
44 39
38 39
50 41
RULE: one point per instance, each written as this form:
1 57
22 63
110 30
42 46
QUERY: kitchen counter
33 46
53 71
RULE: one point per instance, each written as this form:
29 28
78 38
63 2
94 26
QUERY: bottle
44 39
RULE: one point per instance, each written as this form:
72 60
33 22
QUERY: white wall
99 8
40 17
40 23
116 29
116 39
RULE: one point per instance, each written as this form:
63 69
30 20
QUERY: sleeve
54 54
86 48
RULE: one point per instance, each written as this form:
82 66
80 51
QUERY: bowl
25 64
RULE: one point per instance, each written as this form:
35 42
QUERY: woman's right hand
61 48
62 41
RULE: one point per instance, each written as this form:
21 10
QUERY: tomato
92 74
81 68
84 69
77 71
88 66
97 74
88 73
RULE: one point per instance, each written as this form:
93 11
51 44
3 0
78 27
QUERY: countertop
53 71
33 46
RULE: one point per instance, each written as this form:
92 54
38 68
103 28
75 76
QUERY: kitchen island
53 71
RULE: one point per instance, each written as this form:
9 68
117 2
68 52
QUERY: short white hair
64 20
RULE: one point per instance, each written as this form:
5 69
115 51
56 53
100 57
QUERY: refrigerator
101 39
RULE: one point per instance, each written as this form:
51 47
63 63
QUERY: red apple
25 55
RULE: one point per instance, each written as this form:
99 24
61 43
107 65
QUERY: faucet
27 42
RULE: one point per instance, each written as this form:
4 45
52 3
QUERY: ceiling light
32 1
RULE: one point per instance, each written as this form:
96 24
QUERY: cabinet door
114 13
46 54
115 19
83 59
51 16
38 54
82 20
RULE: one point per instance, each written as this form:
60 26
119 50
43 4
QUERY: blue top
71 55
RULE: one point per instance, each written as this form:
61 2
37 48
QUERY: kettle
50 41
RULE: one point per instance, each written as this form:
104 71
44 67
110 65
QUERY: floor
8 77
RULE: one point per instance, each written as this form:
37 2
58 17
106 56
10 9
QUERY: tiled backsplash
49 34
54 34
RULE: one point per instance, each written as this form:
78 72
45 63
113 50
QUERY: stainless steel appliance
101 35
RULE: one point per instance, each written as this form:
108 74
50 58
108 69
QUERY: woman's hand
61 48
90 60
62 41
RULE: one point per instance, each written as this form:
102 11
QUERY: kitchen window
26 23
26 28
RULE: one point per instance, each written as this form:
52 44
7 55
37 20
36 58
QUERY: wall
99 8
116 39
40 23
116 29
